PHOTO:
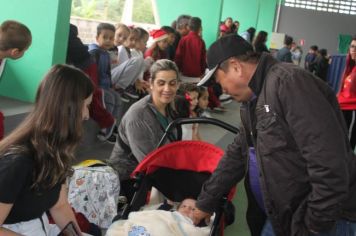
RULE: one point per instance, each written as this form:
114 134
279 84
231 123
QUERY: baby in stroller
159 222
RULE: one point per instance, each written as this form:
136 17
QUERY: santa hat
158 35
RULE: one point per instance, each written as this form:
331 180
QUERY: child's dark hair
14 34
314 48
168 29
201 91
121 25
323 52
288 40
181 107
182 21
104 26
141 33
195 24
187 87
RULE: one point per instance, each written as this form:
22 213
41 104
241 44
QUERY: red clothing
97 111
225 29
191 55
156 56
347 94
213 99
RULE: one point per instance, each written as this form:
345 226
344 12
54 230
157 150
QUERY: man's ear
235 64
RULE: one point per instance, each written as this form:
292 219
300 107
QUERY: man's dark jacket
307 168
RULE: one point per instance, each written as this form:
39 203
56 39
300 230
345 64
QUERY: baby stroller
179 169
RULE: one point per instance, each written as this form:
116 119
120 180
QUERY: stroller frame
143 182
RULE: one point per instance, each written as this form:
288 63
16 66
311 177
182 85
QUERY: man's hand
198 215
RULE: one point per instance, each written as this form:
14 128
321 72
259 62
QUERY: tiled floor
13 107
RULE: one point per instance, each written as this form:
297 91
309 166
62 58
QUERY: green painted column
48 21
208 11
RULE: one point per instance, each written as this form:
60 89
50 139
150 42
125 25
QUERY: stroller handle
177 123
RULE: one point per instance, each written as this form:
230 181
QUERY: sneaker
219 109
115 131
130 91
226 102
101 136
123 96
224 97
206 114
106 133
111 139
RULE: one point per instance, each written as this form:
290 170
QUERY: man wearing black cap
292 148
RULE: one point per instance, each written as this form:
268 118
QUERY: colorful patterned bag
94 190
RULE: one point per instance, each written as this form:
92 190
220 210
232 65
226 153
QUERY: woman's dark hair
349 62
261 37
252 32
51 132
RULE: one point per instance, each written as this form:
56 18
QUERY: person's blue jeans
342 228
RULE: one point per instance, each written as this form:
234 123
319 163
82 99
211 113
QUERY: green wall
257 13
48 21
253 13
209 12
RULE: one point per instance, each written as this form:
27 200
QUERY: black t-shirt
15 187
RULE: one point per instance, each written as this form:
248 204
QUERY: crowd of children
122 61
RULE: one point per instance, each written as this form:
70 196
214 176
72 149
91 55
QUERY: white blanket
156 223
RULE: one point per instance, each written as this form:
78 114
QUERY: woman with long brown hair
36 158
259 44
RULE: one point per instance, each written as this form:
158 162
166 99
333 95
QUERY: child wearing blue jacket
105 41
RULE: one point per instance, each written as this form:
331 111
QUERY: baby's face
187 208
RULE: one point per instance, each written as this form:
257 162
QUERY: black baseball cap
222 49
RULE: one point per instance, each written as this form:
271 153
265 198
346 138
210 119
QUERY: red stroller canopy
195 156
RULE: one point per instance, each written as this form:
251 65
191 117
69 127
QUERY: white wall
316 27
